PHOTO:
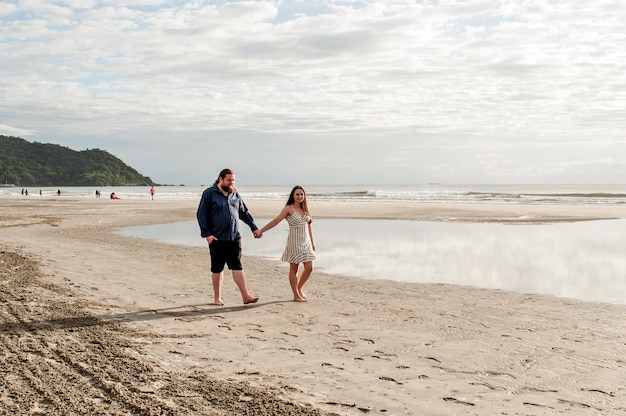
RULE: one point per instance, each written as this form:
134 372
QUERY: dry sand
96 323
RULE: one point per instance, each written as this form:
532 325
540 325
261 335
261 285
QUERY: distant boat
6 185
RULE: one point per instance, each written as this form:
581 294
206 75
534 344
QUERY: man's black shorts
225 252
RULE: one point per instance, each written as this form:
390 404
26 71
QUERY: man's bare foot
299 299
218 302
251 300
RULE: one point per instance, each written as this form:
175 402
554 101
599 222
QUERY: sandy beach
96 323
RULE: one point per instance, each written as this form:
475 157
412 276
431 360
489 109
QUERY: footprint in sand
393 380
331 366
455 400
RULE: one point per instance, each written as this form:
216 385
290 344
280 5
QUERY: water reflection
580 260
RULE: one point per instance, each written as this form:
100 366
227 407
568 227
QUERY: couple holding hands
220 209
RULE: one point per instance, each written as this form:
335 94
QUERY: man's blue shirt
218 214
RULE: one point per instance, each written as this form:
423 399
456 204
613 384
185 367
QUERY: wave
343 194
556 195
426 195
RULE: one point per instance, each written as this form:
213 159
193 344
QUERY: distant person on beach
219 212
300 244
58 192
152 191
97 193
114 196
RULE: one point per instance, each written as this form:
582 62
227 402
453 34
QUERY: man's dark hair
223 174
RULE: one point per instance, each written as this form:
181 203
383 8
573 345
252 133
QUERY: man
220 209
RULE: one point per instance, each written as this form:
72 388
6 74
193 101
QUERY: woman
300 245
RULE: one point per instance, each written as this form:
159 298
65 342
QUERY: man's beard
227 189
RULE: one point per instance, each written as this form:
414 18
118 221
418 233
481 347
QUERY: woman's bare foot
301 294
299 299
218 302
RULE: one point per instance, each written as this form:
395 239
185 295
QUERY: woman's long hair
291 200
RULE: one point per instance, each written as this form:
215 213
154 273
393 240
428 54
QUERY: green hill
37 164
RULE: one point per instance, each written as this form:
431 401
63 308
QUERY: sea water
610 194
578 260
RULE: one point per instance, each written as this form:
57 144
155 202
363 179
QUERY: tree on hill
38 164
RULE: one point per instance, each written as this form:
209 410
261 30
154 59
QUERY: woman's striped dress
299 248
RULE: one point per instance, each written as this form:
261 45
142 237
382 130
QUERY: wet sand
97 323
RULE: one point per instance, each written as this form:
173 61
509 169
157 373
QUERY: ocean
608 194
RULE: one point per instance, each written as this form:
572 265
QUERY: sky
324 91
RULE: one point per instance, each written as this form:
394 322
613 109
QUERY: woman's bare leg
304 276
293 282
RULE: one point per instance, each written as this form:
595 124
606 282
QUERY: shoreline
417 211
357 346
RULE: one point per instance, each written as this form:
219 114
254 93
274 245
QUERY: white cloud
467 90
14 131
7 9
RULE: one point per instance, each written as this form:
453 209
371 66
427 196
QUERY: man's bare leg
240 280
218 279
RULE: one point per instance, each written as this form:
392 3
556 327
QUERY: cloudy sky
324 91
